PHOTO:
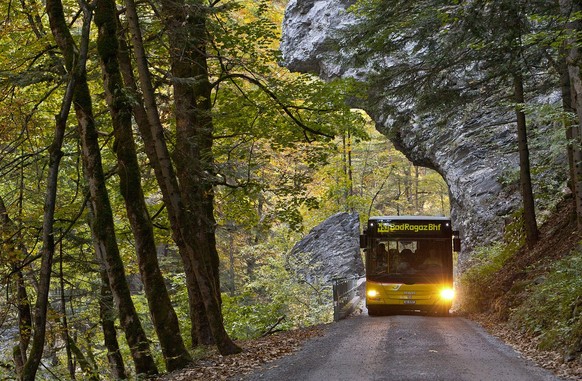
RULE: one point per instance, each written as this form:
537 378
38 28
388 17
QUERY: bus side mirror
457 244
363 241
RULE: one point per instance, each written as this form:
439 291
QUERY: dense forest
157 167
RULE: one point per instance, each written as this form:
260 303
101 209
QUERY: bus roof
410 218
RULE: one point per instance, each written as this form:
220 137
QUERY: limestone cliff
473 151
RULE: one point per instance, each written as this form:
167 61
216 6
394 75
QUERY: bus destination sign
390 227
413 228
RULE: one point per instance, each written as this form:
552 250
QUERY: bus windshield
408 261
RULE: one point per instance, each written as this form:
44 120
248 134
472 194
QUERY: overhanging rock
474 148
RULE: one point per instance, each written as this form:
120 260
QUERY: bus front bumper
424 297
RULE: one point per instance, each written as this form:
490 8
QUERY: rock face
334 246
473 151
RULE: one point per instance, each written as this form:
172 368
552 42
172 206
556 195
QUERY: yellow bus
409 264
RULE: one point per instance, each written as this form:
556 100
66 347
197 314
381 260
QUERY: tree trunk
193 157
107 319
54 8
102 226
24 323
529 213
408 191
573 101
351 204
152 132
163 315
63 312
108 254
7 237
186 233
48 250
417 207
570 128
344 178
107 250
87 366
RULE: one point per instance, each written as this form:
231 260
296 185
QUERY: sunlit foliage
281 148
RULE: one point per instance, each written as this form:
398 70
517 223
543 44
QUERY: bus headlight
372 293
447 294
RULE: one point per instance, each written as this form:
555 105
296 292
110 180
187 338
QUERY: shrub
284 292
245 317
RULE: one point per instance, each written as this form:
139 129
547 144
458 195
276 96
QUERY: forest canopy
158 164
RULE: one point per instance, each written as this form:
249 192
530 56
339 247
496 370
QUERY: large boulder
333 248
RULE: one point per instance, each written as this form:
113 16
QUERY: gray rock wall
472 151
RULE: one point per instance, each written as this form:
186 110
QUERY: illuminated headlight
372 293
447 294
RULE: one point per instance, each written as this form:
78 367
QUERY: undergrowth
546 306
553 310
478 283
285 294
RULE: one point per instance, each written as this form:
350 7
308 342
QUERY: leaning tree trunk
163 315
529 213
53 7
102 227
106 245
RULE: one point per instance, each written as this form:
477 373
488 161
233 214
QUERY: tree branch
273 96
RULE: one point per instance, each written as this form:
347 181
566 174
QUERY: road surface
403 347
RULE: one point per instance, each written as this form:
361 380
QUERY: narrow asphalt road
403 347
